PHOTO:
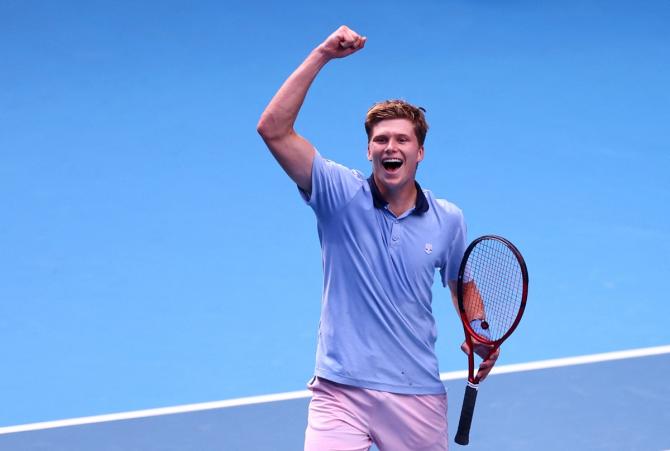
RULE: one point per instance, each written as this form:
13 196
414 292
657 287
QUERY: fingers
349 39
481 349
357 43
343 42
487 365
488 355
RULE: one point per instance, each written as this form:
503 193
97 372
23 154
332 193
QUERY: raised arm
293 152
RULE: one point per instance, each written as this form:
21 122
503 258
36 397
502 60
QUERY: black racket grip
469 399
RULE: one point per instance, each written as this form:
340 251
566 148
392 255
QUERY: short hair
397 109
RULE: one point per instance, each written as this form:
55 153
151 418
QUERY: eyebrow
386 134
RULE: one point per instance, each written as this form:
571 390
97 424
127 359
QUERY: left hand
483 351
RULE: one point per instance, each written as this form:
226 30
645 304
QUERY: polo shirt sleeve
456 249
333 186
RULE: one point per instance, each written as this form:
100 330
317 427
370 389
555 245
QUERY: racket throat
472 375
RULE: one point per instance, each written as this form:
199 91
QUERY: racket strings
498 286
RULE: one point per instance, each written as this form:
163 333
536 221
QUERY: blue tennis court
608 404
157 266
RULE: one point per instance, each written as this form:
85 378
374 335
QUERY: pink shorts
346 418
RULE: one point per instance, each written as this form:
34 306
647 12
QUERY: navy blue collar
379 202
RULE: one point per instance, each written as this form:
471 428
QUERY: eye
380 139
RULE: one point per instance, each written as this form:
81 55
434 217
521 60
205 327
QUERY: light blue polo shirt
377 329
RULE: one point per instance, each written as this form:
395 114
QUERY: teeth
392 164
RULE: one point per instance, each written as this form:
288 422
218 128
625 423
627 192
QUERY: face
394 151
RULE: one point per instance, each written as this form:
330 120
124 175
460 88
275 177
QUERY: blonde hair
397 109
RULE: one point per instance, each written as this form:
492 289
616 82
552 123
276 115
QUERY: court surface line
286 396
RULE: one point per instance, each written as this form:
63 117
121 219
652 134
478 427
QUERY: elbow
262 127
269 129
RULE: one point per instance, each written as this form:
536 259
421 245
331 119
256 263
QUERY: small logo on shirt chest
428 248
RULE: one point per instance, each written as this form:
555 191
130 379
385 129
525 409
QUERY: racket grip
469 399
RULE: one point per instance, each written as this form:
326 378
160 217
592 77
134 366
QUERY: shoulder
333 186
330 166
443 207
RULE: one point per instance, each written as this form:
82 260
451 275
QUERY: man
382 238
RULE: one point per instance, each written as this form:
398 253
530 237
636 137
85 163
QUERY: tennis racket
492 290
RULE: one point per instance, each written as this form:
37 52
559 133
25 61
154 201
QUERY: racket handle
469 399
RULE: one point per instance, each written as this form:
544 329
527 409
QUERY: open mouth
392 164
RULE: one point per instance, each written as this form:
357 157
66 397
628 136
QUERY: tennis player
382 239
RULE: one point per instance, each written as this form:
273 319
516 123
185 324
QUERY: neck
400 198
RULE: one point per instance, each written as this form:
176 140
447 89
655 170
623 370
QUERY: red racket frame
467 410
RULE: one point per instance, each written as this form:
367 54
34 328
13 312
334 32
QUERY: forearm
453 291
472 300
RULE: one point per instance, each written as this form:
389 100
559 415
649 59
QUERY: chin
393 181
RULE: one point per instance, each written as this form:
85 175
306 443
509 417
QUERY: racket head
493 286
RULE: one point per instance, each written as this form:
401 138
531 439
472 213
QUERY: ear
420 154
369 153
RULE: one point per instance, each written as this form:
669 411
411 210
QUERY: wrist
322 55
